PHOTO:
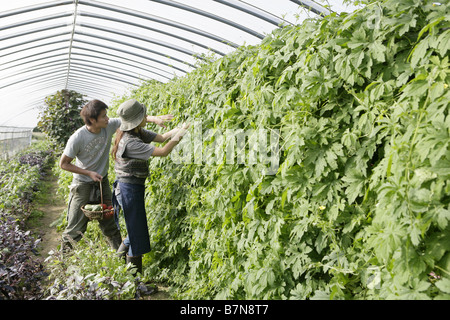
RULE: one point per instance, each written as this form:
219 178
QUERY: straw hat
131 112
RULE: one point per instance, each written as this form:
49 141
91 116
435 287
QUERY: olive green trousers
82 193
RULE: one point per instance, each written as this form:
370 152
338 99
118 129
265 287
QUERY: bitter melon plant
358 207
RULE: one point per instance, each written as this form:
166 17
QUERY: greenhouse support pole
75 13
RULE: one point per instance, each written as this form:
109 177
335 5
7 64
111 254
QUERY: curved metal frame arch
122 63
173 4
34 55
64 54
133 46
161 20
84 66
48 85
78 86
81 78
47 57
261 15
92 82
60 62
101 76
131 53
86 14
210 16
83 81
90 86
312 6
41 66
35 7
35 30
35 47
25 80
38 86
37 20
61 25
120 57
111 71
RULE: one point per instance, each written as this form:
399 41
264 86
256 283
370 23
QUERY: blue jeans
130 197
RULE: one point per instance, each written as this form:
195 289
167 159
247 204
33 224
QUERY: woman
132 152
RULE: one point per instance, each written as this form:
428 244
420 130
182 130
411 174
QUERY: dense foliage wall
60 116
359 205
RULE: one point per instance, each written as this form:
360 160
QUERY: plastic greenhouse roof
104 48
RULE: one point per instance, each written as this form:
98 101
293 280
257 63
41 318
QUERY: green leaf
377 50
419 52
443 285
443 217
444 43
321 295
356 182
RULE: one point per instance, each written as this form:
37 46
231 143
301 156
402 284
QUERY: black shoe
146 289
136 262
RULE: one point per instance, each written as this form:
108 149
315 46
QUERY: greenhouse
101 49
225 150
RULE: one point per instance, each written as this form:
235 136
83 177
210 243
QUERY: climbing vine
359 205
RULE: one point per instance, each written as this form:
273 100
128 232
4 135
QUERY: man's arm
65 164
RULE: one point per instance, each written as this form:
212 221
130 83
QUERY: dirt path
50 207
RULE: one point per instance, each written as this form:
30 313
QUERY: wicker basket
96 215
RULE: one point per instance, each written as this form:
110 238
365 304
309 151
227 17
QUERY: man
90 146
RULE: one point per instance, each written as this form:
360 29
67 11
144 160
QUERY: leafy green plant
20 178
91 271
359 206
60 116
21 274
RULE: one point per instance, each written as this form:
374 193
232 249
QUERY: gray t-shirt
91 150
134 147
141 150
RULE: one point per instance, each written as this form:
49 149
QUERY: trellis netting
14 139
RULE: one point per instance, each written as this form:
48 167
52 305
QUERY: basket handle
101 194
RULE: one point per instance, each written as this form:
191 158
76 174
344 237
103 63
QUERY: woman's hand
160 120
181 132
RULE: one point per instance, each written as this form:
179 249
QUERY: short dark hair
92 109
